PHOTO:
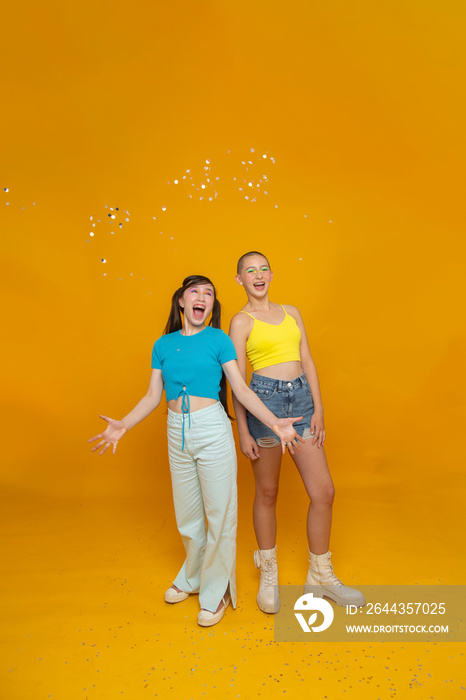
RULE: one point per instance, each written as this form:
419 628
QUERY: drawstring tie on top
185 410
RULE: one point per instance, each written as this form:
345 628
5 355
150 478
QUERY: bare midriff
283 370
196 403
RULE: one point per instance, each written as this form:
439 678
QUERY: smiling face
255 275
197 303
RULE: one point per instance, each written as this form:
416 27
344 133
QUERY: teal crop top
192 364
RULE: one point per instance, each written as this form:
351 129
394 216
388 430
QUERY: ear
180 304
238 279
271 275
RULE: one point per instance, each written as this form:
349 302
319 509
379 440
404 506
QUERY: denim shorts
285 399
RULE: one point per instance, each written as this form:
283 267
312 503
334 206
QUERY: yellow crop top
270 344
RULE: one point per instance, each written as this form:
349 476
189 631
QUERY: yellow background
361 106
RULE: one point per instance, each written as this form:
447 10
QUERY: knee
325 496
331 495
267 496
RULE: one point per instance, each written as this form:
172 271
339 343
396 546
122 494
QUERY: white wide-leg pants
204 488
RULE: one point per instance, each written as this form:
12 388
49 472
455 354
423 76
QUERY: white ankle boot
321 581
268 599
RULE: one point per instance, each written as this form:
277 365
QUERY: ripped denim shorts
285 399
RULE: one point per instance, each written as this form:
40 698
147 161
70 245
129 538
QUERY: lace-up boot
321 581
268 599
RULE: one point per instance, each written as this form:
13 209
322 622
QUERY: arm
240 328
117 428
282 427
317 421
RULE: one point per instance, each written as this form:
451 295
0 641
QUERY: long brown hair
175 322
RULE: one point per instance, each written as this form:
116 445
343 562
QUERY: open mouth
259 285
198 311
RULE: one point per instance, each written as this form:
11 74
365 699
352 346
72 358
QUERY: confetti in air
247 178
112 219
254 176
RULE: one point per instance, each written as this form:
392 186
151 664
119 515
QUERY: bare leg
312 466
267 474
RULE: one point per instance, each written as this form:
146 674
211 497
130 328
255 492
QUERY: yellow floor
83 614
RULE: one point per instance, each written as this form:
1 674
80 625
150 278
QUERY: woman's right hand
113 433
249 446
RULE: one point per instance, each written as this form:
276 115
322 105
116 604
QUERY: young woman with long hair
273 338
189 361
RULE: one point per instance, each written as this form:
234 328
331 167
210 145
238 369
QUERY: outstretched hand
113 433
283 428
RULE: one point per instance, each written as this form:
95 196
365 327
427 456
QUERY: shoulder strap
247 314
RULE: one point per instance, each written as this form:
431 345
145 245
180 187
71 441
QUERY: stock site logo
308 603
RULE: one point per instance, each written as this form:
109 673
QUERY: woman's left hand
283 428
317 428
